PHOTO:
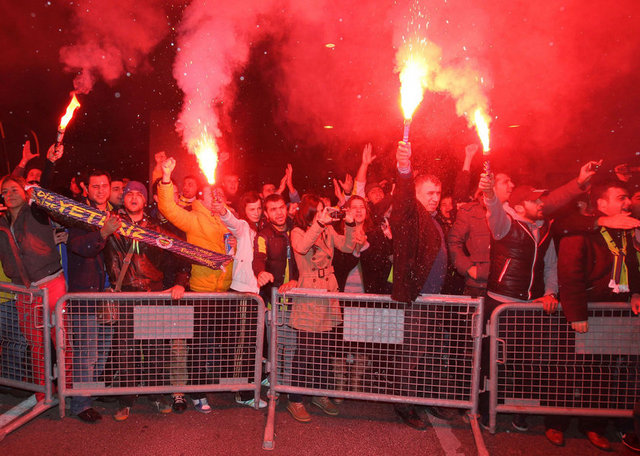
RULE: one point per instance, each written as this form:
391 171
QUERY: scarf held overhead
81 212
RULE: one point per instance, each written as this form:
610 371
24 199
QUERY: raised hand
347 184
337 190
587 171
367 155
470 150
167 168
486 185
26 153
55 152
403 154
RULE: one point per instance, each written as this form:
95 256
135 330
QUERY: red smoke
543 65
113 36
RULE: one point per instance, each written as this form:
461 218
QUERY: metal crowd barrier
25 352
368 347
540 365
204 342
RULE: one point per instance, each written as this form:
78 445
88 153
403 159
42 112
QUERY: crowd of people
576 244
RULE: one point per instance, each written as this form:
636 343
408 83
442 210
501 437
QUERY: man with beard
600 266
523 262
275 266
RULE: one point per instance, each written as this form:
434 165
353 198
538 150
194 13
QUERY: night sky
560 79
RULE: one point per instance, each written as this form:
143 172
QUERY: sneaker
326 405
202 405
162 406
519 423
631 441
122 414
299 412
251 402
179 403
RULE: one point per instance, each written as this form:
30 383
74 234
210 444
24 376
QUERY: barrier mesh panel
420 351
547 364
21 339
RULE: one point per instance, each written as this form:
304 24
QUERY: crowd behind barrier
204 342
407 341
539 365
375 349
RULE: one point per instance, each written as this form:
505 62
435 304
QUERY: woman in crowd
313 240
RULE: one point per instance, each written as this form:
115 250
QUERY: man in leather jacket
145 268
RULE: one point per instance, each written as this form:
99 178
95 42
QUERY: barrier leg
269 429
477 435
16 417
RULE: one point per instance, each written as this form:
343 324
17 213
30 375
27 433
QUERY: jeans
91 343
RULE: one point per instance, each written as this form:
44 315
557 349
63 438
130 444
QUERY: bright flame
413 81
481 122
206 151
73 105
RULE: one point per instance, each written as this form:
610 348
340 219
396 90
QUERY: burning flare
206 151
413 78
481 122
64 120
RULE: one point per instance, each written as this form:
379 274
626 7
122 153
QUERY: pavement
362 428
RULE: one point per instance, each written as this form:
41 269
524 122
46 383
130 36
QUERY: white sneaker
251 402
202 405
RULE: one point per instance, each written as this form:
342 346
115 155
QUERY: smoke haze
113 36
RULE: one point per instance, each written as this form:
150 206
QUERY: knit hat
135 186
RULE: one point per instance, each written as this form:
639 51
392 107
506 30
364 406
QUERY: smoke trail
114 36
214 40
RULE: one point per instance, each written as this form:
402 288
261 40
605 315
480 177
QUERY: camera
337 214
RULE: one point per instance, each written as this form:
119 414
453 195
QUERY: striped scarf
619 282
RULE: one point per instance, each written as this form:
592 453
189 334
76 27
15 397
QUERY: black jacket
416 241
270 253
517 262
148 264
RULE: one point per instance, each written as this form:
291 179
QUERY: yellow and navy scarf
619 282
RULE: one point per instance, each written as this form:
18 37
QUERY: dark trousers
138 361
313 361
